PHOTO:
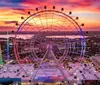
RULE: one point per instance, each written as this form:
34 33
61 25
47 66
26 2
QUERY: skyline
88 11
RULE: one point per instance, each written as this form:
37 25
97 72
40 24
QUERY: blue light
8 48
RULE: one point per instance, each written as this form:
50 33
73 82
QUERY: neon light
1 62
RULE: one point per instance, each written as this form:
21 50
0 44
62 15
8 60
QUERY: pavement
84 72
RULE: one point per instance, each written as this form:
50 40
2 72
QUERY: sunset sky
88 11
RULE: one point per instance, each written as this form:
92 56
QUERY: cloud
77 3
10 4
30 4
7 28
13 9
11 22
16 1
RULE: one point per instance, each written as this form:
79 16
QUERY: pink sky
88 11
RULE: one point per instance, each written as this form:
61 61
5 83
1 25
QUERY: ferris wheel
48 33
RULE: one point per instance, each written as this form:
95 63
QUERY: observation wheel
48 33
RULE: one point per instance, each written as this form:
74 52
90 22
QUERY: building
96 62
